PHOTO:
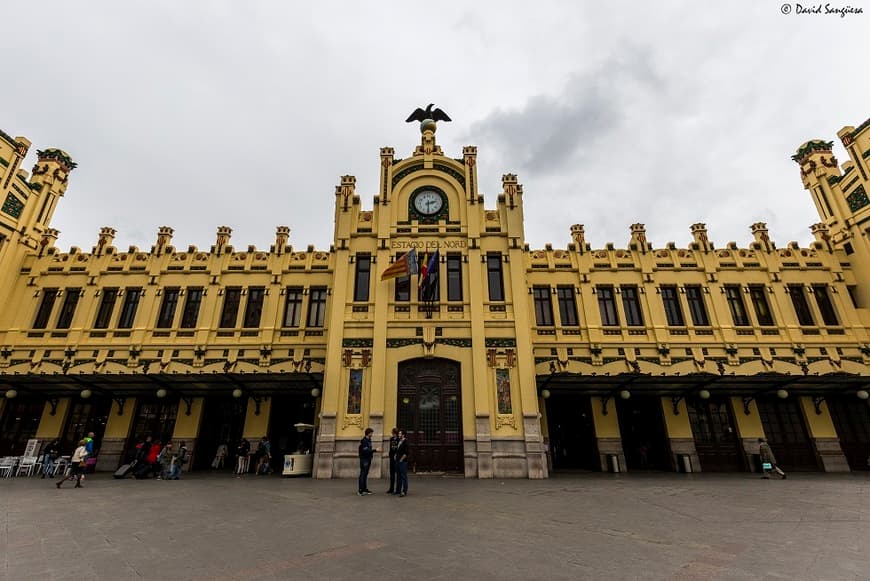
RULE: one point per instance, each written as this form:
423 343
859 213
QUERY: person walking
768 460
77 466
50 454
402 454
264 453
394 443
366 453
152 458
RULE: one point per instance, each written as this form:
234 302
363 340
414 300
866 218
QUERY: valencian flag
429 276
406 265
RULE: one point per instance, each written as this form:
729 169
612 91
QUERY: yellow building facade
505 362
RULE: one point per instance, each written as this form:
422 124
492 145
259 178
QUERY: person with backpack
366 453
264 452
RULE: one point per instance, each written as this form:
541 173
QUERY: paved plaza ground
582 526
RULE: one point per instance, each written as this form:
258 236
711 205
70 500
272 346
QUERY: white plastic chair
28 464
7 463
60 465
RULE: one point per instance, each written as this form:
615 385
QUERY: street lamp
624 394
161 393
862 394
782 393
704 394
11 394
85 393
237 393
315 392
545 393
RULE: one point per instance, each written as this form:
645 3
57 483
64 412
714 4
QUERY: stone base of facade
680 448
607 449
111 452
831 455
750 453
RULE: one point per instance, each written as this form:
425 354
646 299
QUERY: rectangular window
829 315
543 306
190 314
759 303
230 312
317 307
697 309
49 295
567 306
254 307
631 304
607 306
128 310
363 277
167 308
107 306
454 277
494 276
293 307
801 306
853 295
671 302
736 306
70 300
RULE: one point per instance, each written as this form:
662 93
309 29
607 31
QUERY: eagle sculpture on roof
421 115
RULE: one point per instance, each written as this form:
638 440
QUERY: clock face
428 202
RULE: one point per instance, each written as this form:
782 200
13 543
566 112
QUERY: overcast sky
199 114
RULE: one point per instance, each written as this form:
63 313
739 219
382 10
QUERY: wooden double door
851 418
429 410
787 434
716 441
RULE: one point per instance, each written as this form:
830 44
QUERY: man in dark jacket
366 452
394 443
402 455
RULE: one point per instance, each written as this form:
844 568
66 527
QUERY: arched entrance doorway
429 411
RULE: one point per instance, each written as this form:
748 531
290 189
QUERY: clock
428 202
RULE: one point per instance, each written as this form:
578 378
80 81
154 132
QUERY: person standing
179 462
152 458
167 461
77 465
366 453
768 460
394 443
50 454
242 456
402 454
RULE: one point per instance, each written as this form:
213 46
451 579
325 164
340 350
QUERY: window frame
192 304
130 307
631 305
567 306
827 310
230 309
293 307
316 316
168 306
697 306
454 277
46 306
495 274
736 305
803 312
607 298
543 306
758 297
68 308
106 308
362 278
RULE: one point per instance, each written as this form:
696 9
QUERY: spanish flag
406 265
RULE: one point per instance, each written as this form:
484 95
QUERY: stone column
187 429
115 437
824 435
749 429
680 437
607 434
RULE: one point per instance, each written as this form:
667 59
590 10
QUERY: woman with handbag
77 466
768 460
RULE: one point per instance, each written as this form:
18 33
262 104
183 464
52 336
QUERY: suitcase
124 470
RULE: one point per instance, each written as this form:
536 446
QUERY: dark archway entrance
716 441
223 420
20 420
84 417
288 410
644 440
155 418
786 433
571 431
429 409
851 418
